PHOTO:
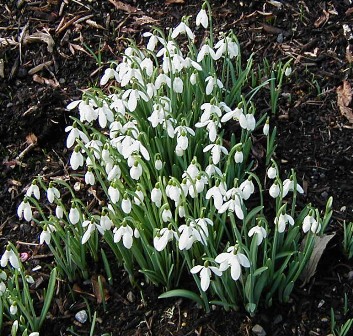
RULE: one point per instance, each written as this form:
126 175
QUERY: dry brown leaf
322 19
320 244
124 7
97 290
344 98
41 37
170 2
271 29
94 24
144 19
31 139
41 80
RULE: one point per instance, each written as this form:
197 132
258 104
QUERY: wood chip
324 17
344 98
41 80
171 2
119 5
39 67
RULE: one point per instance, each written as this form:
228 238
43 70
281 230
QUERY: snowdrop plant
17 303
165 151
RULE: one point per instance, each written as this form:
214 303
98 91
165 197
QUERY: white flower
272 172
188 236
217 192
113 193
205 274
193 78
234 260
206 50
288 71
10 256
136 171
34 333
13 308
134 96
260 233
183 28
126 205
266 128
156 196
105 223
310 223
33 190
76 159
45 236
216 151
202 18
238 156
212 82
158 164
166 215
74 215
162 238
288 185
211 126
108 74
232 114
228 46
59 212
89 177
282 222
24 210
2 288
91 226
233 205
153 40
247 122
126 233
247 189
52 193
274 190
139 196
178 85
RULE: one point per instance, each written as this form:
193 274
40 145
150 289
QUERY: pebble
278 319
81 316
258 330
130 297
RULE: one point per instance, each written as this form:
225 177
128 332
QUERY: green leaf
287 291
48 297
182 293
250 308
260 270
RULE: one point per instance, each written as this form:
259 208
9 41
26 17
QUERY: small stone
81 316
130 297
321 303
350 275
258 330
278 319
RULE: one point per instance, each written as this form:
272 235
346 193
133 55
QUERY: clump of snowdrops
165 151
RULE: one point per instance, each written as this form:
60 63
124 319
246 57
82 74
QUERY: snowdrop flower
158 164
178 85
33 190
45 236
139 196
266 128
147 65
272 172
282 222
133 96
91 226
24 210
217 192
74 215
203 223
105 223
209 109
211 126
156 195
34 333
212 170
193 78
238 155
206 50
136 171
108 74
260 233
167 214
153 40
234 204
247 189
162 79
162 238
59 212
288 185
202 18
205 274
2 288
212 82
182 138
124 232
52 193
274 190
233 259
114 192
310 223
105 114
173 191
188 235
10 256
288 71
126 205
76 159
216 151
89 177
232 114
182 28
247 121
13 308
228 46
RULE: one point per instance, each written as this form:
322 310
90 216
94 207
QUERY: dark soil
313 138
